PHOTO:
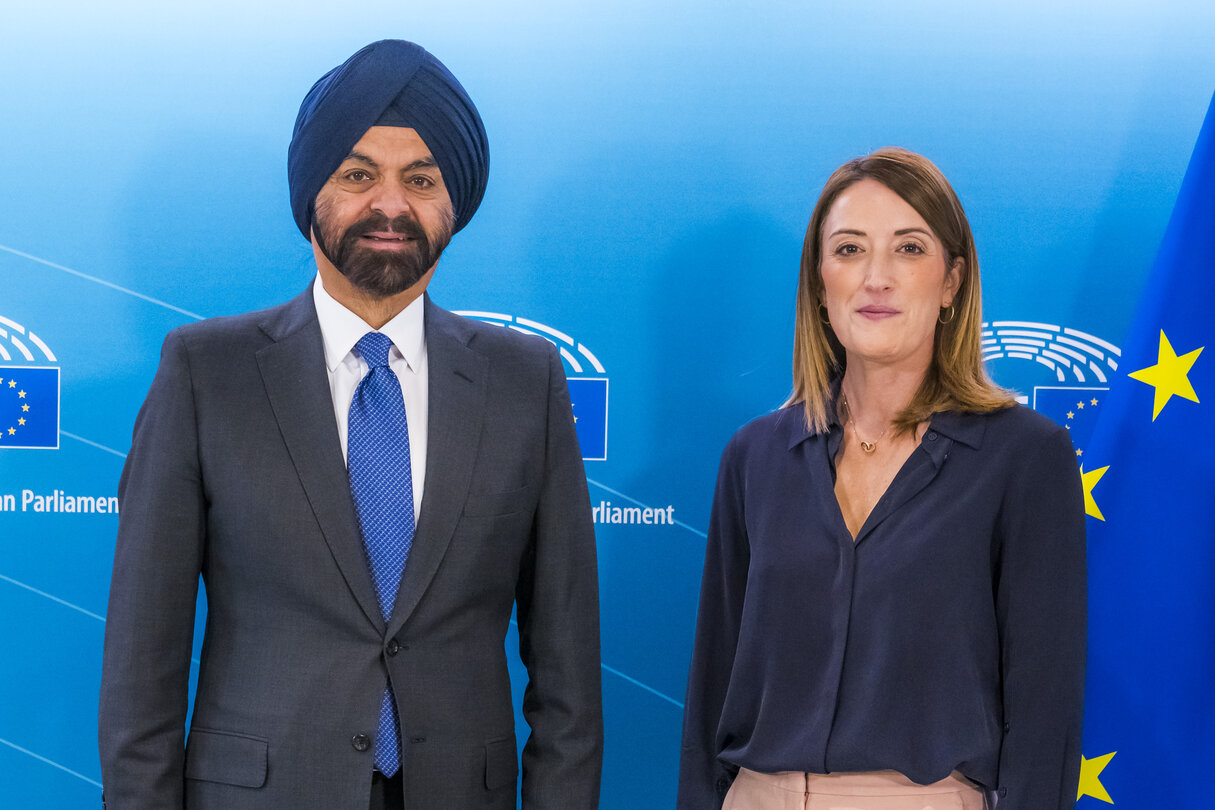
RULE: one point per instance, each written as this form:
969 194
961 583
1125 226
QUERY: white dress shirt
341 329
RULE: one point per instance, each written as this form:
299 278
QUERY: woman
893 602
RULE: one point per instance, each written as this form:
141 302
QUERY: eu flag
1149 484
1073 407
589 397
29 407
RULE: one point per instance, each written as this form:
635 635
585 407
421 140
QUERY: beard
381 273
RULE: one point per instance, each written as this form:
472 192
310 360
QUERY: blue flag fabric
1149 481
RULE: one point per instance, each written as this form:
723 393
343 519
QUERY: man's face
384 217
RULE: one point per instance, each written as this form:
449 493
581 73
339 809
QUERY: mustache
402 224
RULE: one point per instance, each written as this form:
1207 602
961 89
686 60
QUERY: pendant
868 447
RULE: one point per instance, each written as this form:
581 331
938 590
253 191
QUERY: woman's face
884 278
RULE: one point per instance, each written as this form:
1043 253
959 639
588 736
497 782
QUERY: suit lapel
293 372
458 384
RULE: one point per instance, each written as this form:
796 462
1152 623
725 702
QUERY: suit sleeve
150 619
1041 610
703 778
557 603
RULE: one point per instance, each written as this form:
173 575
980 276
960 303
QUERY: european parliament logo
29 390
588 382
1067 371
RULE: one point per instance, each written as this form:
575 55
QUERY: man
366 484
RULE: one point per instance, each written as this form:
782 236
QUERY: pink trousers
877 790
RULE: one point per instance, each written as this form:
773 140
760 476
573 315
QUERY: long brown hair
956 379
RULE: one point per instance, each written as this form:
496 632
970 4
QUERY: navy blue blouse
949 636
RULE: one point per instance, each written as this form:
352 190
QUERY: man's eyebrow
362 159
427 162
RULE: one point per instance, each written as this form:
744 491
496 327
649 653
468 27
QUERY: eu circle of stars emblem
29 407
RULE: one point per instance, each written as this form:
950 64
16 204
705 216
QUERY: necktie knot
373 348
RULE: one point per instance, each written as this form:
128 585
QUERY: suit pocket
227 758
501 763
500 504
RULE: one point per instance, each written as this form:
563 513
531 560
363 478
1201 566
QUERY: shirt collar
800 429
341 328
966 427
960 426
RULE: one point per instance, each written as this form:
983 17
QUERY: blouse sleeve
1041 610
703 779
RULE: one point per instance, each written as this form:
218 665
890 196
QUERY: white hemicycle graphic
13 333
1069 353
564 343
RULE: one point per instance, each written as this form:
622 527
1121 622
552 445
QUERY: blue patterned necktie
381 482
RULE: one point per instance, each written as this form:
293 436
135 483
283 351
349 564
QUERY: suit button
393 647
1003 792
1007 728
360 742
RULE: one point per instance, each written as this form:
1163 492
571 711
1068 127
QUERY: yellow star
20 395
12 431
1071 414
1080 405
12 383
1090 784
25 407
1079 452
1168 376
1094 402
20 421
1090 479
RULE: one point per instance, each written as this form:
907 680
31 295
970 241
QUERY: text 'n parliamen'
58 501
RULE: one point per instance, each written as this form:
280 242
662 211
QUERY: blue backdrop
653 169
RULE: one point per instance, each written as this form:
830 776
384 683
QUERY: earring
823 316
952 315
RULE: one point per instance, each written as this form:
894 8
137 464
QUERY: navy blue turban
395 83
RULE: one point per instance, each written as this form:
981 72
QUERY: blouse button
931 436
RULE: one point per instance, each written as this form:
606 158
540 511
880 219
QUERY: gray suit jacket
236 472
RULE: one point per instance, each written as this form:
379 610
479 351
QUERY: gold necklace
868 447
